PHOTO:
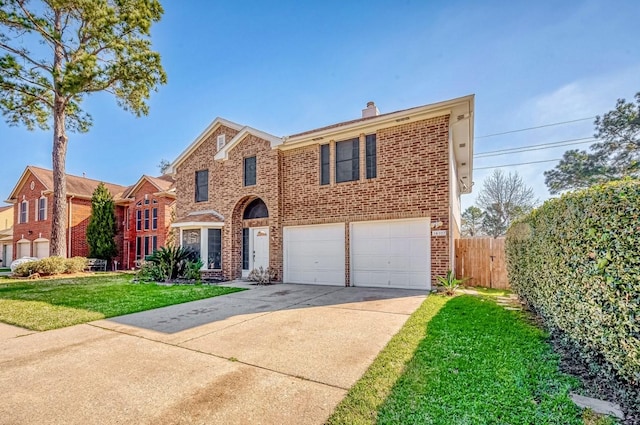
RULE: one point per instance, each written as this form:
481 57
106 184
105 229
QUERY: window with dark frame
42 209
154 244
146 245
214 243
154 218
250 171
371 156
202 185
347 160
245 249
139 220
324 164
24 206
146 219
138 248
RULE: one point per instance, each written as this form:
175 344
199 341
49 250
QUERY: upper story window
146 219
24 208
371 156
154 218
138 219
202 185
250 171
324 164
348 160
42 209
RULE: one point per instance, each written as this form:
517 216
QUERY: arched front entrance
250 235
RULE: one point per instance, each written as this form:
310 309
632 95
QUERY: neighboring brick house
369 202
148 209
6 235
33 199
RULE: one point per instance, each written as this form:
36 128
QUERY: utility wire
534 128
528 148
514 165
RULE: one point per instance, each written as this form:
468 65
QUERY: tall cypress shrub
101 230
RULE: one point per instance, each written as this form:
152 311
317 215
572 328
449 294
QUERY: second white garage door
314 254
391 254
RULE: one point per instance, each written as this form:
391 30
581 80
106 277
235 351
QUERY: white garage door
314 254
391 254
24 249
42 249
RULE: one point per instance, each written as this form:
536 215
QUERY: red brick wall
164 206
229 196
412 181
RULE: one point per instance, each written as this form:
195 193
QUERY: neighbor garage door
314 254
391 254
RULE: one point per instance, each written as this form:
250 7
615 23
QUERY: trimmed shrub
51 265
75 265
26 268
576 262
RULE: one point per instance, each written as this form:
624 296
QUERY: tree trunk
58 245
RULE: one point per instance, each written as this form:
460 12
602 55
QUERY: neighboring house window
154 218
250 171
42 209
155 201
324 164
146 246
347 160
146 201
215 248
24 208
191 240
372 167
154 244
202 185
146 219
138 248
138 220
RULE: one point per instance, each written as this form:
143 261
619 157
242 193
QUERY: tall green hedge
576 261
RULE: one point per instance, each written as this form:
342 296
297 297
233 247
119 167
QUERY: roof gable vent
221 141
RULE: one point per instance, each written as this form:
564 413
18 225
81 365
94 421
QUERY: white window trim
38 208
220 141
24 203
204 241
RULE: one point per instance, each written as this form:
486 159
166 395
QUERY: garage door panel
393 253
315 254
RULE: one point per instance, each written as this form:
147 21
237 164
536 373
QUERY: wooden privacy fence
483 261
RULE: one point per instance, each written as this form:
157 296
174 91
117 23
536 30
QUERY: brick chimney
370 111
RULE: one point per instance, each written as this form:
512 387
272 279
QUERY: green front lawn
48 304
471 362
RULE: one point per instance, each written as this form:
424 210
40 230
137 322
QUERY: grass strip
361 404
50 304
481 364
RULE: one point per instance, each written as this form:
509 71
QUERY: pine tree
101 230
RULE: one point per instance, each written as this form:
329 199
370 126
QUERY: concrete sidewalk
270 355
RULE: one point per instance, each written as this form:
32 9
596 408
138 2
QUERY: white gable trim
223 154
200 139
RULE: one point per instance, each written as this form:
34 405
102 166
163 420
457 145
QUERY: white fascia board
223 154
199 224
201 138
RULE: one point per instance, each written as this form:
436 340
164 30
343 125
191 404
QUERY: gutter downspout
70 209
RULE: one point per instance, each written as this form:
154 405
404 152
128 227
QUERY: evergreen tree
101 231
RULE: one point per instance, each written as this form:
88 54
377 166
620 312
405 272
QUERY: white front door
259 256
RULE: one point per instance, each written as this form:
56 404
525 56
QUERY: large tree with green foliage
615 155
504 197
472 221
101 231
59 51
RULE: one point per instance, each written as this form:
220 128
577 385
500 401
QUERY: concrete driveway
270 355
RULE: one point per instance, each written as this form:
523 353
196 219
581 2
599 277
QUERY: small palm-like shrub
450 283
170 263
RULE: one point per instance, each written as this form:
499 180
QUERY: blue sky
290 66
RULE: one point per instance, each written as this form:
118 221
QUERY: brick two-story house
369 202
33 199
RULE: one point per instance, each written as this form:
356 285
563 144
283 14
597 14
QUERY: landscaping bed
55 303
464 360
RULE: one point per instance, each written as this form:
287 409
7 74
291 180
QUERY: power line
542 146
534 128
514 165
